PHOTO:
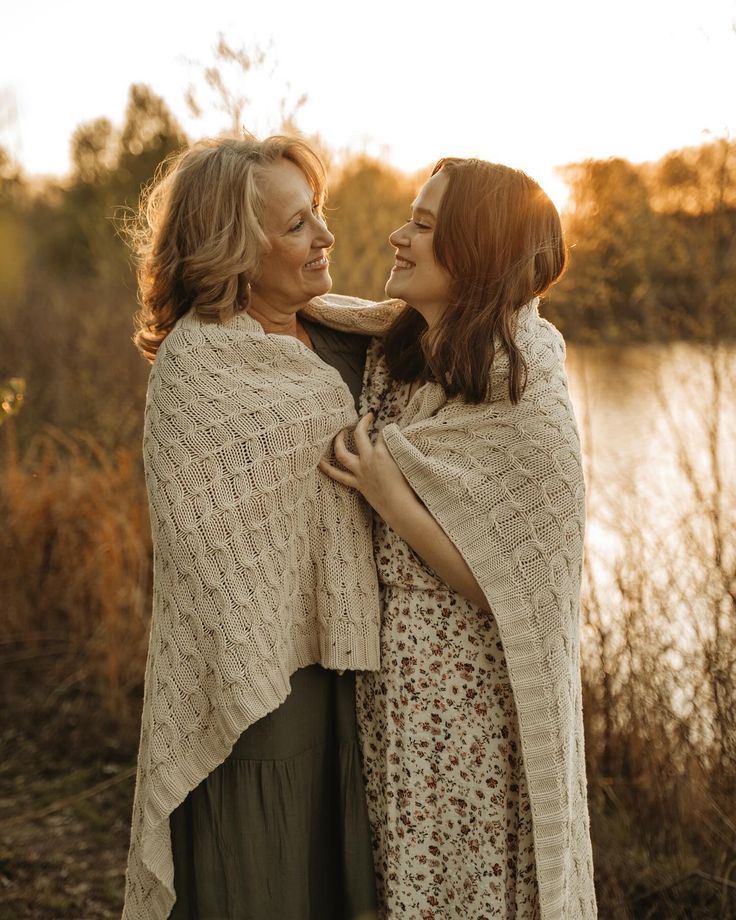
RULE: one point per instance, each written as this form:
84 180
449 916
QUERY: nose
325 239
400 236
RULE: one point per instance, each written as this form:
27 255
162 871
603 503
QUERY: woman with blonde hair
472 732
249 797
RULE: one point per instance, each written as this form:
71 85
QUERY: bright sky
530 83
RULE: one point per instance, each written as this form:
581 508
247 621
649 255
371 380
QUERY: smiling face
296 268
416 276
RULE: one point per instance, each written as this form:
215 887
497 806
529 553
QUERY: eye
419 224
297 226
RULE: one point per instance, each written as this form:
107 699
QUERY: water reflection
651 417
658 429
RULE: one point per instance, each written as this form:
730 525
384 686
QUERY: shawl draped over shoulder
262 564
505 483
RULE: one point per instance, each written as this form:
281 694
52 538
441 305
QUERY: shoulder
353 314
542 347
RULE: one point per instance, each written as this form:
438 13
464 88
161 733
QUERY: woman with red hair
469 454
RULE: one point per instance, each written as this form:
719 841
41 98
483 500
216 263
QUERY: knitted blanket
262 564
506 484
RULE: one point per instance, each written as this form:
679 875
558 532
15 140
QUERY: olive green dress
279 831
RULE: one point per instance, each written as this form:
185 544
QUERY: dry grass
658 664
76 567
659 661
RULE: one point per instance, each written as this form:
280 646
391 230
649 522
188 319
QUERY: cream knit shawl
506 484
262 564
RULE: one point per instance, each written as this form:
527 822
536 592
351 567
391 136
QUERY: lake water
658 428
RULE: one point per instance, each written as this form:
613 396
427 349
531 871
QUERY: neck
279 322
275 320
431 313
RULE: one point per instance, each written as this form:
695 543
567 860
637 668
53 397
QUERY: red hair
500 238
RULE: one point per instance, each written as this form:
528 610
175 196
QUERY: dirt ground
65 804
66 791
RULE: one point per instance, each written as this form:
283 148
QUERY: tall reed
76 572
659 649
659 660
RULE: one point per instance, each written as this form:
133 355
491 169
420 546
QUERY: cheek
437 283
282 263
294 256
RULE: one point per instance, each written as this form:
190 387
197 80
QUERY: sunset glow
531 84
551 450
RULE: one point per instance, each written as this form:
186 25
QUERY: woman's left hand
372 470
375 473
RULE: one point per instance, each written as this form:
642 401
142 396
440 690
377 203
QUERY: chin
324 286
393 289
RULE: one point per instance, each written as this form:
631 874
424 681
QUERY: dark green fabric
280 831
345 351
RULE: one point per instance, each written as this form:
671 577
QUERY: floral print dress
447 792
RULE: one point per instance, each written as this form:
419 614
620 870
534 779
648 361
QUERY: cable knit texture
262 564
506 484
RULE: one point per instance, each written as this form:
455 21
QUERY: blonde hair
198 237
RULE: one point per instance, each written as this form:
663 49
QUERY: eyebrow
423 211
303 209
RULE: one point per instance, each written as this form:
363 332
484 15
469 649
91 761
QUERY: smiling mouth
402 263
321 262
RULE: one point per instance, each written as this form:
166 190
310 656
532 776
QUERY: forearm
410 520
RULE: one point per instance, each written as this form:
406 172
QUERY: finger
360 433
346 457
347 479
380 443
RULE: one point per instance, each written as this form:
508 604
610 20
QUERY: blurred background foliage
652 258
653 262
